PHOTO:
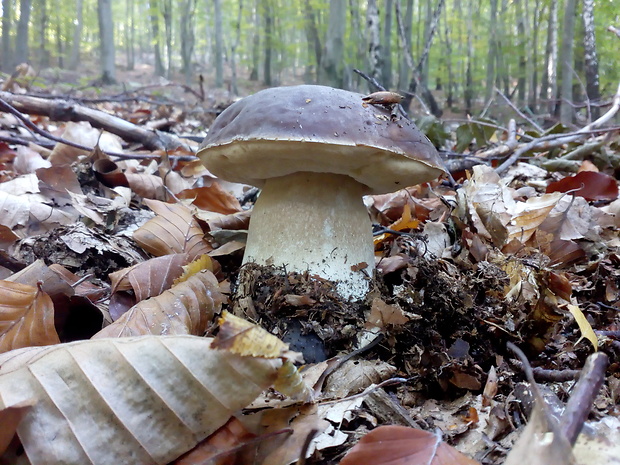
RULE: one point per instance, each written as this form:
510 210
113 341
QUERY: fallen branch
552 141
66 110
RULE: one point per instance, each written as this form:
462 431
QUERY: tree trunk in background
44 54
548 84
255 42
566 63
167 13
374 44
492 56
532 60
268 18
106 37
502 81
423 66
521 40
188 18
386 70
468 93
74 58
403 69
448 44
312 36
333 57
130 34
429 36
219 45
7 21
591 59
60 49
358 37
21 40
154 16
233 51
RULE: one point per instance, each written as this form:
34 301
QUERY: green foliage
434 129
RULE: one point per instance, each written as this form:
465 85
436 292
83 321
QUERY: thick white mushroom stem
314 222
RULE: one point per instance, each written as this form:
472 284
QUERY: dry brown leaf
530 214
147 186
233 221
224 447
151 277
173 230
132 401
212 198
401 445
10 417
186 308
383 315
26 317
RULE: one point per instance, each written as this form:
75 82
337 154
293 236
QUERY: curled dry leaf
212 198
396 445
173 230
136 401
26 317
588 184
186 308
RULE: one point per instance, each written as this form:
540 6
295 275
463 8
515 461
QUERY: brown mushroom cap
283 130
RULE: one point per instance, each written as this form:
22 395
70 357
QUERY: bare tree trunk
359 39
44 54
188 15
333 57
503 79
130 34
430 35
7 21
219 45
566 62
268 18
548 84
255 42
167 13
532 61
233 51
448 42
591 60
106 37
312 36
469 85
403 70
74 58
386 71
492 56
374 44
154 17
21 40
522 40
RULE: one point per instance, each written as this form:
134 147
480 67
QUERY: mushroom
315 151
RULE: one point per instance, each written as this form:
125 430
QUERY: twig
546 375
564 138
614 30
519 112
581 399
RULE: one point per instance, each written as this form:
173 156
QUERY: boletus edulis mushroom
315 151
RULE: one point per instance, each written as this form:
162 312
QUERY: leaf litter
529 257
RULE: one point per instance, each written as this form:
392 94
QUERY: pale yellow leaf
584 326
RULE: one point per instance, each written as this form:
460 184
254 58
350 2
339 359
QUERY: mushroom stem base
314 222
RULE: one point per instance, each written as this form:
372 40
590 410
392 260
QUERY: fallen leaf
137 401
587 184
584 326
186 308
396 445
173 230
26 317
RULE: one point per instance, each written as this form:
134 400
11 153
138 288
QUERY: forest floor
525 252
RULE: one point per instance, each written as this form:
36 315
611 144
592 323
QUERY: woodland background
548 56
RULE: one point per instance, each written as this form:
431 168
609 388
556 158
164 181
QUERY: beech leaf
186 308
173 230
26 317
136 401
401 445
